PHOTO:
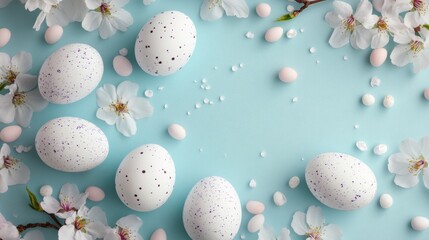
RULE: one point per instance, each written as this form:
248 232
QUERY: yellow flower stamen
119 108
350 23
382 25
314 233
417 165
19 98
80 224
416 46
104 9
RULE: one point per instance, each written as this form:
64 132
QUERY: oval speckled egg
70 73
145 178
340 181
212 210
165 43
71 144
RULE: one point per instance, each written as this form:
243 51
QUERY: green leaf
426 26
3 85
286 17
34 203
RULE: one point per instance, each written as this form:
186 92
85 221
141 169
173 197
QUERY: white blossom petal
4 60
7 109
119 3
147 2
3 183
126 125
398 163
363 10
22 62
284 234
379 40
50 204
400 56
106 29
421 62
378 4
23 115
139 107
127 90
209 12
424 146
19 173
97 214
266 233
79 235
111 234
237 8
71 193
39 20
412 19
426 177
340 37
315 217
106 95
360 38
342 8
92 21
131 222
331 232
35 101
122 20
93 4
106 115
66 232
7 229
402 6
406 181
26 82
58 16
410 147
333 19
299 224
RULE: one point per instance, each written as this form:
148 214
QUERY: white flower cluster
12 170
407 22
108 16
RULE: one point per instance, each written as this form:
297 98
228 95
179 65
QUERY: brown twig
21 228
53 217
305 6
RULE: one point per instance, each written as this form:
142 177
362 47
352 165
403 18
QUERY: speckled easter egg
165 43
212 210
71 144
340 181
70 73
145 178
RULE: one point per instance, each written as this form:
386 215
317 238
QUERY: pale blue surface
256 115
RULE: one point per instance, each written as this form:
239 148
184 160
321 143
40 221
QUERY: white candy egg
176 131
10 133
273 34
340 181
70 73
122 66
53 34
263 10
279 199
378 57
288 75
419 223
212 210
386 200
255 223
159 234
71 144
165 43
5 35
145 178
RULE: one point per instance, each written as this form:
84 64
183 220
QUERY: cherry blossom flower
411 49
417 11
267 233
85 224
121 106
410 162
313 226
213 9
7 229
351 27
71 200
12 170
127 228
107 16
15 69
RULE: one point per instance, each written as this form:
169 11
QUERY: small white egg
361 145
255 207
5 35
388 101
378 57
386 200
255 223
294 182
420 223
123 52
380 149
250 35
159 234
53 34
95 194
368 99
263 10
288 75
176 131
122 66
46 190
279 199
273 34
10 133
426 94
291 33
252 183
375 82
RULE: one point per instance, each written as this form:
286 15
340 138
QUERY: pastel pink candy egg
263 10
53 34
255 223
274 34
4 36
122 66
10 133
176 131
255 207
159 234
288 75
426 93
95 194
378 57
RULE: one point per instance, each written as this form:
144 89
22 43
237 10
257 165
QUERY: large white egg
340 181
212 210
145 178
71 144
70 73
165 43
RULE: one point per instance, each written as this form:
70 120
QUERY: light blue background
257 115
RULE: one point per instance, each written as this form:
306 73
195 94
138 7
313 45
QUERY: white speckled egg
145 178
71 144
212 210
340 181
165 43
70 73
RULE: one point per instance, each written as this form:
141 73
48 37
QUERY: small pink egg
4 36
159 234
255 223
122 66
288 75
426 93
53 34
176 131
263 10
378 57
10 133
255 207
274 34
95 194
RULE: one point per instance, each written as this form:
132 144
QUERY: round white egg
212 210
340 181
165 43
145 178
71 144
70 73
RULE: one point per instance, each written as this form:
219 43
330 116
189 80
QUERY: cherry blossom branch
53 217
295 13
21 228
